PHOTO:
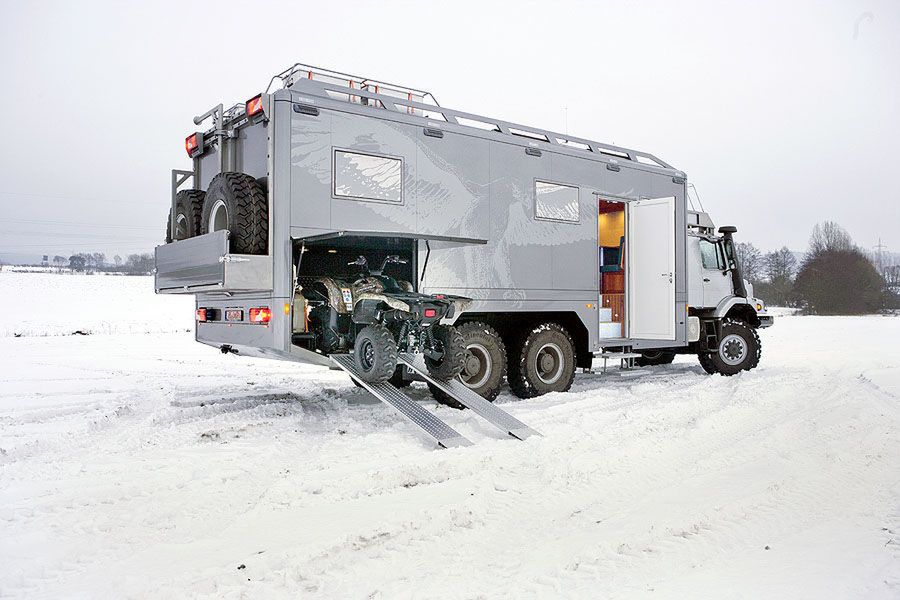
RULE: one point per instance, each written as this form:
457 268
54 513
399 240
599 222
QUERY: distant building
45 261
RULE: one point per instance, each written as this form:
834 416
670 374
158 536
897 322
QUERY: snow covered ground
135 462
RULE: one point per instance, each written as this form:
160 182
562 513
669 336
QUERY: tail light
254 106
260 315
193 144
430 313
201 315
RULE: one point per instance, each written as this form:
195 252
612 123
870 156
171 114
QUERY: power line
75 223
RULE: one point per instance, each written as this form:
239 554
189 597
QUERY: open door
651 270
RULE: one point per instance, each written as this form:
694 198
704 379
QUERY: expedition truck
339 220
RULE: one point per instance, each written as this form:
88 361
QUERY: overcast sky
782 114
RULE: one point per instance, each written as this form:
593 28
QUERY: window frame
717 248
577 189
334 183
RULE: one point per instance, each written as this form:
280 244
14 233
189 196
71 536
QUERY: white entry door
650 264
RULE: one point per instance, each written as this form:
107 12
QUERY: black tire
484 366
739 350
246 212
654 357
188 215
451 363
542 362
397 380
375 354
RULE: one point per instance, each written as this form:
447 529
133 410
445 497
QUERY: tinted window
555 201
368 177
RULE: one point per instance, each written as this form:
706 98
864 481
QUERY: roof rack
298 71
398 98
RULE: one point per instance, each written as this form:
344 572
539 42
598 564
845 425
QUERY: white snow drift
142 464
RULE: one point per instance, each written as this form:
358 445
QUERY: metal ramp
458 391
434 428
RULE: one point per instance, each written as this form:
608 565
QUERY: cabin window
710 256
555 202
368 177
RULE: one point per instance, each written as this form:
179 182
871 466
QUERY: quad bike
378 317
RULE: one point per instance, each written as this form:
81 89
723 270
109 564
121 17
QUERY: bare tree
828 235
780 265
99 259
59 261
118 260
751 260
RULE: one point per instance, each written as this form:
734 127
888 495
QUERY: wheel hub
549 363
733 349
476 367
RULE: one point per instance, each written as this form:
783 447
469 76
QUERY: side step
458 391
434 428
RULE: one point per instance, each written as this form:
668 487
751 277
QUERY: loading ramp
488 411
438 431
430 425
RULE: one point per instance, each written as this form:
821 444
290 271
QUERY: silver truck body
341 162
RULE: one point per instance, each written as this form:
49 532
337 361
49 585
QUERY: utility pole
879 249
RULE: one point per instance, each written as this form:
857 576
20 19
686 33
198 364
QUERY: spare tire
236 202
188 214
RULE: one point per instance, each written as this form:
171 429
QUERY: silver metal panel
453 185
202 263
434 428
191 263
486 410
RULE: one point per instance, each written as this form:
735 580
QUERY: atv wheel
236 202
657 357
485 363
375 354
543 362
739 350
188 214
451 343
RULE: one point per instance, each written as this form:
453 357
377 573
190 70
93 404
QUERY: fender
727 304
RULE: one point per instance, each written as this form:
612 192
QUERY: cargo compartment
204 264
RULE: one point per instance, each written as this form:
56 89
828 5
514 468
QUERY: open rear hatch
204 264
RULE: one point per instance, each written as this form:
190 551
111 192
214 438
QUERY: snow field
147 465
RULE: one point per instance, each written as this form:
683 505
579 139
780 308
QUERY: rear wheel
236 202
188 215
739 350
375 354
451 344
484 365
544 362
655 357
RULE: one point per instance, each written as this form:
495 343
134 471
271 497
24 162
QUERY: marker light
192 144
201 315
261 314
430 313
254 105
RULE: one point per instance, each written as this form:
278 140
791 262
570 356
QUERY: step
430 425
488 411
620 355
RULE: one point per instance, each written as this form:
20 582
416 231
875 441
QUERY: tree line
92 262
833 277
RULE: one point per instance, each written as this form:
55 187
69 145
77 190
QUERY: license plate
234 314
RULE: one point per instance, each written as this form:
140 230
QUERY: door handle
706 279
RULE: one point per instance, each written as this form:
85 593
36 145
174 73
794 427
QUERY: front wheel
739 350
375 354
